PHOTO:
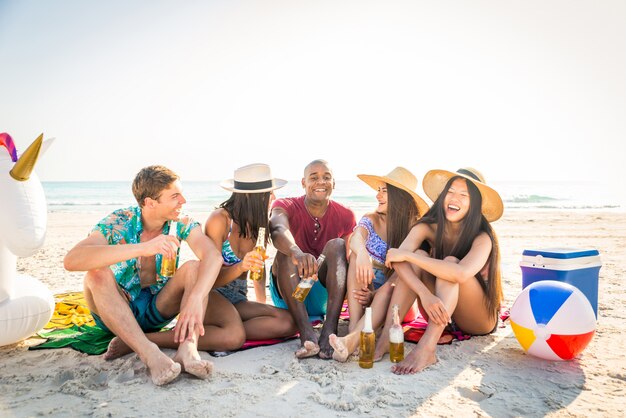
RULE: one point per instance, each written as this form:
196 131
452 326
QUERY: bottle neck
367 325
260 240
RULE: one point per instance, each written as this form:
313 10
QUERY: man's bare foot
116 349
308 349
341 353
191 362
326 349
162 368
417 360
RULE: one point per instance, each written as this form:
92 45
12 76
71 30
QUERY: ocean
203 196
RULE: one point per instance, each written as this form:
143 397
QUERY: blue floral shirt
124 227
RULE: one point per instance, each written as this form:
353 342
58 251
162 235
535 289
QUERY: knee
98 279
189 270
336 246
452 259
234 338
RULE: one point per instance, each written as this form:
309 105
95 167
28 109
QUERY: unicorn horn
26 163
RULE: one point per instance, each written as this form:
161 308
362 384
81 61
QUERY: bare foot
191 362
162 368
341 353
382 348
326 349
308 349
116 349
417 360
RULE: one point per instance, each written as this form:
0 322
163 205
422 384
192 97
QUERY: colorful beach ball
553 320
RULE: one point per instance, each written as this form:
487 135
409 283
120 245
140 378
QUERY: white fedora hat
401 178
253 178
435 181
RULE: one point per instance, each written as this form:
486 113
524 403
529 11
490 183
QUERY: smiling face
456 203
170 202
381 196
318 182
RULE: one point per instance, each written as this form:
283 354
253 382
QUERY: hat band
468 173
255 185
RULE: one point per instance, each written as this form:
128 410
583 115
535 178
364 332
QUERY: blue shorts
315 302
379 278
145 311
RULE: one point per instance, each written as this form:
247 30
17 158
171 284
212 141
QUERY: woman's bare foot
416 361
308 349
162 369
382 348
341 352
116 349
191 362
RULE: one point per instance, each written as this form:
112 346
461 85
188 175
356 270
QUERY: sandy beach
484 376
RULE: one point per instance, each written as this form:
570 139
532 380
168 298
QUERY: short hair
315 162
151 181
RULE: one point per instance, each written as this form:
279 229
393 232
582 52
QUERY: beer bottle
259 248
304 287
367 344
168 265
396 338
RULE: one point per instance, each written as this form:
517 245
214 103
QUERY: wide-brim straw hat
401 178
435 180
253 178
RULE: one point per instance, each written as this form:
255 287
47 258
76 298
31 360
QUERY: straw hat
435 181
253 178
401 178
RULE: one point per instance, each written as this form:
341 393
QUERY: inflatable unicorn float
26 305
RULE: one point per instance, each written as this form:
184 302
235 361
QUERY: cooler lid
561 253
561 258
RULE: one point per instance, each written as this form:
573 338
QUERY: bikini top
375 245
228 255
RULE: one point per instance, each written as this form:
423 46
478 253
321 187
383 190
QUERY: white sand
485 376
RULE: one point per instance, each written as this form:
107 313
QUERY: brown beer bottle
367 344
396 338
168 265
259 248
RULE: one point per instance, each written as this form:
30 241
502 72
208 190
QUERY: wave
533 198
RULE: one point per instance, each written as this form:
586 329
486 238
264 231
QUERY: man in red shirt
302 229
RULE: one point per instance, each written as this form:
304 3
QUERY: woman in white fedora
234 227
369 281
458 282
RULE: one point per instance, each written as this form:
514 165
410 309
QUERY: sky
521 90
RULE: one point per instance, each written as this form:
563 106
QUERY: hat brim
375 181
230 186
435 180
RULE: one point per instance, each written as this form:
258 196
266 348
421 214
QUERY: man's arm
94 252
284 242
192 312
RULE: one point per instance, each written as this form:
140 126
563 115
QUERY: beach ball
553 320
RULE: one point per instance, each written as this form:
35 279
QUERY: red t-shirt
337 222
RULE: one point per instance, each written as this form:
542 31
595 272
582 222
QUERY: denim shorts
379 278
145 311
235 291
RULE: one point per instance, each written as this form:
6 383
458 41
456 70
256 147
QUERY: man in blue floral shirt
127 294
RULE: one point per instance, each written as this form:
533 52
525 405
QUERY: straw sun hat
401 178
435 181
253 178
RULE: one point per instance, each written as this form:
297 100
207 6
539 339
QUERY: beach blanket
73 326
414 330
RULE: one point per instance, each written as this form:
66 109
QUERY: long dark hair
471 226
402 215
250 212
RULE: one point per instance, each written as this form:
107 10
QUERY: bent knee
452 259
190 268
234 337
336 246
98 278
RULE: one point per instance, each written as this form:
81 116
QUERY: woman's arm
451 271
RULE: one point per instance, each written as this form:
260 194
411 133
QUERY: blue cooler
578 267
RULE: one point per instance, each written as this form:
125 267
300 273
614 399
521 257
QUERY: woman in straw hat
234 227
399 208
458 282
